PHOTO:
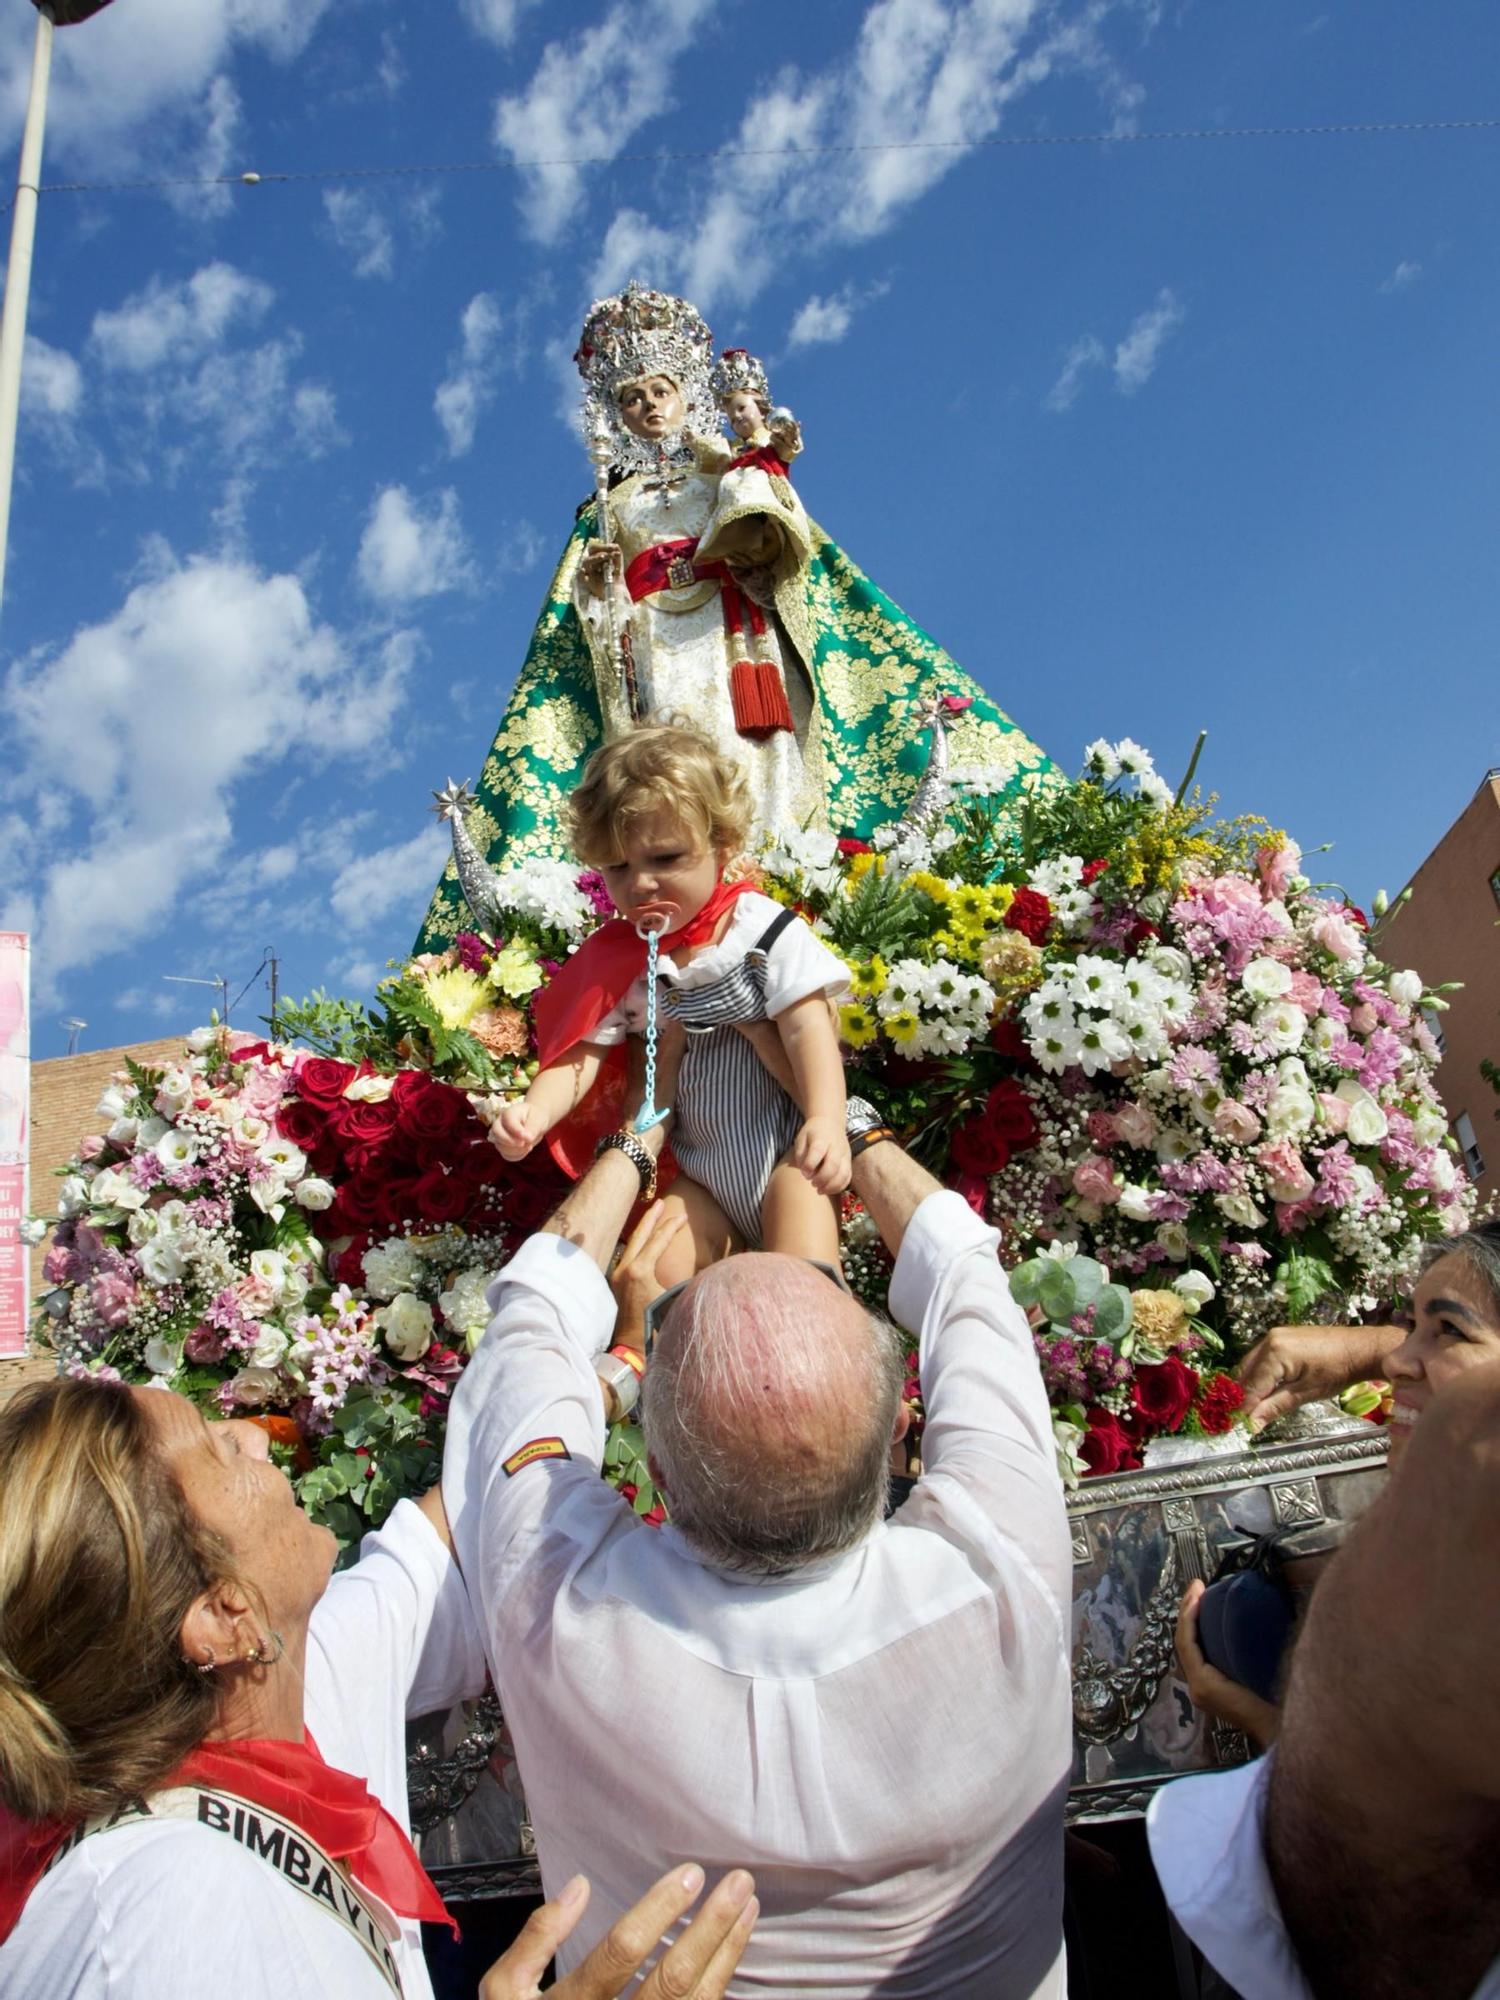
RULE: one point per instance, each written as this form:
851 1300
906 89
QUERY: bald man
871 1715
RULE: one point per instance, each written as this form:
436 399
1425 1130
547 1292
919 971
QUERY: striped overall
734 1120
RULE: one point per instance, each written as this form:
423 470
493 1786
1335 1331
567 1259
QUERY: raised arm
821 1149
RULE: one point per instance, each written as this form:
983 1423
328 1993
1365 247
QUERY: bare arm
822 1148
892 1187
1300 1364
553 1093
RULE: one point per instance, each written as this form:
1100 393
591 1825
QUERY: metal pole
18 276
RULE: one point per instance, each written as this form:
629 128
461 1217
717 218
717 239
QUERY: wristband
628 1144
622 1385
871 1136
631 1356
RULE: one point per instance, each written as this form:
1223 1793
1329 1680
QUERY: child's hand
517 1127
821 1151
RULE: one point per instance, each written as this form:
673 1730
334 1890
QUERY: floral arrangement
1172 1069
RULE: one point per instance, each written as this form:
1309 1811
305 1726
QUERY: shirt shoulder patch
530 1454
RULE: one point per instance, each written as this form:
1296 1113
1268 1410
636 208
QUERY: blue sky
1152 437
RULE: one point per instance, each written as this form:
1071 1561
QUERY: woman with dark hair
202 1738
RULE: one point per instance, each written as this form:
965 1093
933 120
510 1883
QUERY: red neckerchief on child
578 996
604 968
340 1812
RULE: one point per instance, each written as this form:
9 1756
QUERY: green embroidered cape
870 665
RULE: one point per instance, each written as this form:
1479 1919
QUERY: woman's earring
207 1665
256 1657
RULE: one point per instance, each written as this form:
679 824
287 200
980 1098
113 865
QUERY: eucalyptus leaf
1057 1294
1089 1279
1112 1313
1026 1281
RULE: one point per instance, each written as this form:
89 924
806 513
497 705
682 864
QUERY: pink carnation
1305 992
1277 866
1101 1128
1134 1124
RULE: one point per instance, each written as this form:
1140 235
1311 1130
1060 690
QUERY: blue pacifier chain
649 1114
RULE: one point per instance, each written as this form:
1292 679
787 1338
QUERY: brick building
64 1093
1450 929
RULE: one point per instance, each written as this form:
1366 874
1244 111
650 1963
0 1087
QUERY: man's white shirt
883 1740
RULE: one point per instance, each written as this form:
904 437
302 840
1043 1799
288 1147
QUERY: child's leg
709 1235
796 1219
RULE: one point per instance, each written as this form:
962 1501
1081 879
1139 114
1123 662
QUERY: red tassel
759 697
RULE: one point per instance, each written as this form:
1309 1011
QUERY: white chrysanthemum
1157 791
1055 1049
1134 760
1101 760
1051 878
905 986
1101 1043
547 891
464 1305
1097 982
391 1267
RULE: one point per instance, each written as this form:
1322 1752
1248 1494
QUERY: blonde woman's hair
100 1561
659 766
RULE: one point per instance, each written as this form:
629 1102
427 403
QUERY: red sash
339 1811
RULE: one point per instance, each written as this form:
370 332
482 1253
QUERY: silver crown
736 370
642 332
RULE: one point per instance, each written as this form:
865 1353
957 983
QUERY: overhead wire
255 177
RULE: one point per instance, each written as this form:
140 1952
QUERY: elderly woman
1454 1327
202 1745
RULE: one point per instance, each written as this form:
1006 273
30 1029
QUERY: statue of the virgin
694 583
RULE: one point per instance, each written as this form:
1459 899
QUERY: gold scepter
621 651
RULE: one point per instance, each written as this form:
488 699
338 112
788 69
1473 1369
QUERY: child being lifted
659 812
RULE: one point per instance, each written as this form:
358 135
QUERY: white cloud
821 321
496 20
469 384
589 96
819 160
1406 273
361 232
315 420
408 551
1138 353
137 83
1082 356
178 322
522 549
136 736
374 886
51 381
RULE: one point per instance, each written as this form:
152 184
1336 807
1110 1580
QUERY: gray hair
752 1477
1480 1249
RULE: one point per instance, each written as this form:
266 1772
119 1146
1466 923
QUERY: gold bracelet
627 1143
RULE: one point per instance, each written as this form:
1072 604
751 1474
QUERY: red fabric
764 456
578 996
340 1813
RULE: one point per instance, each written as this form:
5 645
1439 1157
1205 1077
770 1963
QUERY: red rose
1030 914
849 845
1106 1446
1221 1397
398 1199
526 1204
1007 1040
1163 1393
304 1124
1092 870
347 1266
1007 1125
356 1207
428 1112
1357 915
359 1124
442 1197
320 1080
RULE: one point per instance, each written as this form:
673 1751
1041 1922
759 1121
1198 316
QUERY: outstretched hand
1292 1365
697 1967
516 1128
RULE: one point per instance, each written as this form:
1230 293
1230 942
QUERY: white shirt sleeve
799 964
1205 1838
400 1618
988 1458
526 1427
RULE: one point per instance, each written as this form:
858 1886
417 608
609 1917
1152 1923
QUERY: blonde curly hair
662 765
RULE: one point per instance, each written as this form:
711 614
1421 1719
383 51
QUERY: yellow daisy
858 1027
867 978
902 1027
